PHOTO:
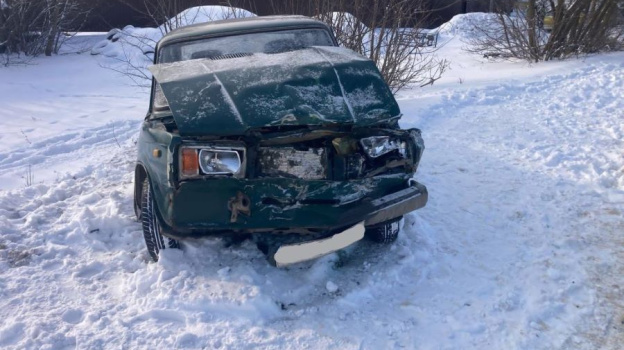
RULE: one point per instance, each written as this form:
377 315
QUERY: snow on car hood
313 86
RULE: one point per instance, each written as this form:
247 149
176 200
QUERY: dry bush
32 27
168 15
386 31
19 25
579 27
61 15
136 46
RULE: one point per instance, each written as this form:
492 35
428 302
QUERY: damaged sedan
264 128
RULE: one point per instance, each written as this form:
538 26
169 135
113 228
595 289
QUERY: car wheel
154 240
385 232
138 199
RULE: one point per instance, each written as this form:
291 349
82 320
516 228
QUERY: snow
201 14
331 287
519 247
131 50
465 25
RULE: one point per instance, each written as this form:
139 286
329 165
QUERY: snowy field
521 245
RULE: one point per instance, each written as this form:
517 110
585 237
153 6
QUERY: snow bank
131 49
201 14
128 42
465 25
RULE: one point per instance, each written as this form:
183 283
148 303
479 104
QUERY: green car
264 129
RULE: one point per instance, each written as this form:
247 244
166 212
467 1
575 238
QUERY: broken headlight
377 146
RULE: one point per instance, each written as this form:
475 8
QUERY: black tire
385 232
154 240
138 200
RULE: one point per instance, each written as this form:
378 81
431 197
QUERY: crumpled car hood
313 86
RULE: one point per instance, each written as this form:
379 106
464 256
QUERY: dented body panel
199 207
313 86
314 132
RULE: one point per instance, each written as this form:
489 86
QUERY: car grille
289 162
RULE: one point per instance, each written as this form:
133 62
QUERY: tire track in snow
561 135
52 157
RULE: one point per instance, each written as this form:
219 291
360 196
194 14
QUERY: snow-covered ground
520 247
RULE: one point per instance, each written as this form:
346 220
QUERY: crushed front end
291 139
302 141
308 182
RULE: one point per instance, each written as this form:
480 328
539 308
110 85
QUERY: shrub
578 27
32 27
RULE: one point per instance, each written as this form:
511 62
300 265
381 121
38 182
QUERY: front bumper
199 208
394 205
383 209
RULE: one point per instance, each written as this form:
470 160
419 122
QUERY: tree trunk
531 22
54 11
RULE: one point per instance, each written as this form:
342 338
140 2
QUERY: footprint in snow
89 270
73 316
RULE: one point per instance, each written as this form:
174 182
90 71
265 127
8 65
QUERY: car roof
238 25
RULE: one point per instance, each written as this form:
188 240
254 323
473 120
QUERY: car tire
138 199
154 240
385 232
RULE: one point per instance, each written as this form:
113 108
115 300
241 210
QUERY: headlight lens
219 162
212 160
376 146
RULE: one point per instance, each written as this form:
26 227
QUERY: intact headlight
219 162
197 161
376 146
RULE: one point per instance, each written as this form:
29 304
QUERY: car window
245 44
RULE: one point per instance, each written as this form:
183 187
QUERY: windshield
245 44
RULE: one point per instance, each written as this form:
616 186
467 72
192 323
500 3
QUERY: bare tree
137 47
163 13
33 27
386 31
171 14
60 16
578 27
19 21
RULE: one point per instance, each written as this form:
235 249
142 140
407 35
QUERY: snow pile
465 25
131 49
201 14
130 42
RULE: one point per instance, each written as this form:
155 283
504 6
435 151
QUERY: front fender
156 154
